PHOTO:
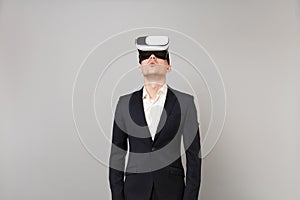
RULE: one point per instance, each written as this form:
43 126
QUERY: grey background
255 44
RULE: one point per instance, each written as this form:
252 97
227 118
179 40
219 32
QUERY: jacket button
153 148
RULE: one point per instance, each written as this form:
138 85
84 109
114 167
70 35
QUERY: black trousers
153 194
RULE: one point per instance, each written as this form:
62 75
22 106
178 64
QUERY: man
153 120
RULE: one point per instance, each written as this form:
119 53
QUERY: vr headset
157 45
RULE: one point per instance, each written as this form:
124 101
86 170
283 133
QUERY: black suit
155 163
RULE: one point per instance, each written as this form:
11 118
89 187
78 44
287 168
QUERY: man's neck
152 88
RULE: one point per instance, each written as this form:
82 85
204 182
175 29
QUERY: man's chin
153 74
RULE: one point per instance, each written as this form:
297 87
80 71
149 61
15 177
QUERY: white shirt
153 108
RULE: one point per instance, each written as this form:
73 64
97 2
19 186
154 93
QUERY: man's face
154 66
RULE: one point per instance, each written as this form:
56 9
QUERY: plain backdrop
255 43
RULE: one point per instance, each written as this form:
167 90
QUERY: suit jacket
155 163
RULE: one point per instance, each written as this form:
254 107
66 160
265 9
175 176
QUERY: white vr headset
152 43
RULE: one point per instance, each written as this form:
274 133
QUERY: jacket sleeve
191 141
117 155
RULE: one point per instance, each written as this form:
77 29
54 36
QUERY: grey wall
254 43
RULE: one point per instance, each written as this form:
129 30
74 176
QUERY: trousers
153 194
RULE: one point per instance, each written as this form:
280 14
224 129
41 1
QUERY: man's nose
152 56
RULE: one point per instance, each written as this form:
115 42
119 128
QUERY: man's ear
169 68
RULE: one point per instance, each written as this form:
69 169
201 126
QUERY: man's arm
117 156
191 140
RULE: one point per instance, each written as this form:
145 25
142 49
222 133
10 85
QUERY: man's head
153 56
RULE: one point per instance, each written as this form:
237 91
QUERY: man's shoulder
180 94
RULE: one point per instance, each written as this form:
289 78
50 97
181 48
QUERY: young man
153 120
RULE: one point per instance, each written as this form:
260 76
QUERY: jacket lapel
136 110
166 113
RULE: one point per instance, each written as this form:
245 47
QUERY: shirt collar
161 91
